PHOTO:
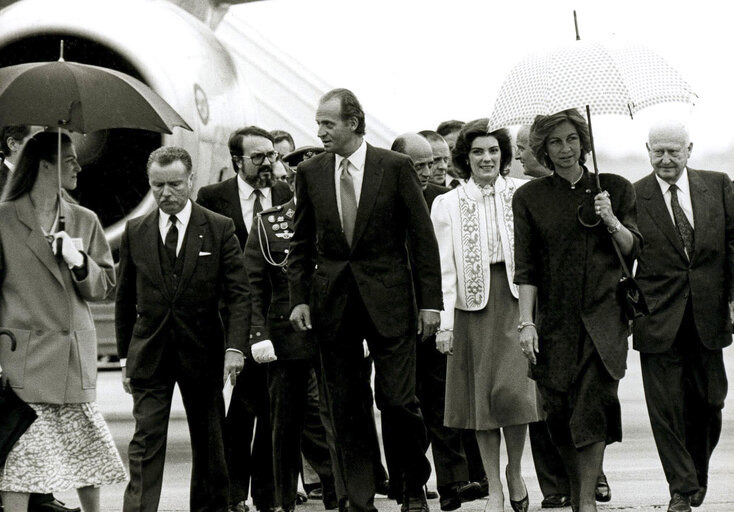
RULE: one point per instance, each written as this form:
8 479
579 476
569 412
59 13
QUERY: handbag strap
625 269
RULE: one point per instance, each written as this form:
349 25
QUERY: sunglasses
259 158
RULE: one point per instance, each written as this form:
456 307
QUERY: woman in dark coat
571 327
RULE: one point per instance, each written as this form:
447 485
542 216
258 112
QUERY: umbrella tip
61 51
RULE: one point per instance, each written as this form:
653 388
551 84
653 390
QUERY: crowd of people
470 306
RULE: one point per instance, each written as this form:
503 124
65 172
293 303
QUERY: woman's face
484 159
69 167
563 146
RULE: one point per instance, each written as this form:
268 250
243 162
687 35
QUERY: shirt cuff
235 350
431 310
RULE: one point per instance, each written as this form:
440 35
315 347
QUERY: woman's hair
472 130
43 146
544 125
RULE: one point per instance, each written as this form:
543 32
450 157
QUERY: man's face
441 161
336 134
283 147
423 163
450 139
530 165
669 151
255 166
171 185
16 146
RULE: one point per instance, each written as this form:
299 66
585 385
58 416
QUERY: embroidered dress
487 386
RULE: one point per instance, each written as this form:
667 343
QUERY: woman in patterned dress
487 388
44 302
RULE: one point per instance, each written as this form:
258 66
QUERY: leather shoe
382 487
239 507
484 486
471 491
679 503
698 496
316 494
603 491
556 501
414 502
51 506
431 495
449 495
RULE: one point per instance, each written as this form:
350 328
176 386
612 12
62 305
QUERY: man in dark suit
356 207
12 140
241 198
450 130
685 271
177 264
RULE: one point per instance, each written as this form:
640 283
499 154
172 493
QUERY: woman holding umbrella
572 328
44 302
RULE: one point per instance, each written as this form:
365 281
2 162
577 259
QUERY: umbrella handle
59 241
9 334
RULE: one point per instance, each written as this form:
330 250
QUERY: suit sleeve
126 296
99 282
626 211
257 274
203 198
527 270
235 290
302 259
729 233
422 240
444 236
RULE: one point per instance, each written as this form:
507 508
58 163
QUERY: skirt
68 446
487 383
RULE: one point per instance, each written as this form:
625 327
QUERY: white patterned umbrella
609 79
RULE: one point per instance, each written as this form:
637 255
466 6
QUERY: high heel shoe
520 505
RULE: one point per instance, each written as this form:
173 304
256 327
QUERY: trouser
549 468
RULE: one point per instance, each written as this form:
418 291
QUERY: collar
564 182
356 159
476 192
682 183
183 216
246 190
10 165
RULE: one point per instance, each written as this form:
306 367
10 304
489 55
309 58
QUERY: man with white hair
685 271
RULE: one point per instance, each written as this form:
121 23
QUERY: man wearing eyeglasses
241 198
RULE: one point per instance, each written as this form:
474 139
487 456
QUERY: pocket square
204 253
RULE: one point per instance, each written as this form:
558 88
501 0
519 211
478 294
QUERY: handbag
629 294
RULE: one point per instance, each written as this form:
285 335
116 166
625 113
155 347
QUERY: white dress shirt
247 200
183 217
684 196
356 169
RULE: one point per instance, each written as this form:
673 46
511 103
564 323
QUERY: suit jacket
224 198
46 306
391 209
270 314
432 191
668 279
148 313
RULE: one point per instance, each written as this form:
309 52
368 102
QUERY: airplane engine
162 45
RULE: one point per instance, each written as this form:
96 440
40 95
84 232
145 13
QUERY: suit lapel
370 187
36 240
699 199
235 207
655 204
150 234
193 240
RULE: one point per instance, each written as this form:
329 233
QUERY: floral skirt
67 447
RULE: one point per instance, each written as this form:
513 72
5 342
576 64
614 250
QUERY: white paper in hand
227 394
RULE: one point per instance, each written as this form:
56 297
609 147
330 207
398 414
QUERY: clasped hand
72 256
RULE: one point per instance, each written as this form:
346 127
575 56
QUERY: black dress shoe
383 487
51 506
603 491
679 503
484 486
698 497
556 501
449 497
431 495
414 502
316 494
471 491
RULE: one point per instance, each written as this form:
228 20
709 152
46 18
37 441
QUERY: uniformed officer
288 355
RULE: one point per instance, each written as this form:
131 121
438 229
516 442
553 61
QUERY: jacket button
257 333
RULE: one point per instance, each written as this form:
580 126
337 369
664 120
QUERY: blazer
44 304
224 199
666 276
148 313
461 225
4 177
391 210
431 192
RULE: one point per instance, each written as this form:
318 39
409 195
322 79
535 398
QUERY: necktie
349 201
172 239
454 183
258 207
685 230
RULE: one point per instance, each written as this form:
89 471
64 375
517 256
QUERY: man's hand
233 363
445 342
529 342
263 352
428 322
126 381
301 317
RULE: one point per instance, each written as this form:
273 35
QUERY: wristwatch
613 229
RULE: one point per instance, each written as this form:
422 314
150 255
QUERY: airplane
217 72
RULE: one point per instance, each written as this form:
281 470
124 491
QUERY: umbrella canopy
609 79
81 98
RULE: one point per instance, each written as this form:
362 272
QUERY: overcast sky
414 63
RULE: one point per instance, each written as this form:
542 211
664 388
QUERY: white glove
365 349
71 254
263 352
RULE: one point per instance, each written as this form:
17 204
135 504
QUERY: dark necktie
172 239
349 201
258 206
685 230
454 183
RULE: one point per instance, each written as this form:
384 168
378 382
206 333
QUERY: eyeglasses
259 158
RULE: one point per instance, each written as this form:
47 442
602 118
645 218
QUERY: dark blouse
576 271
